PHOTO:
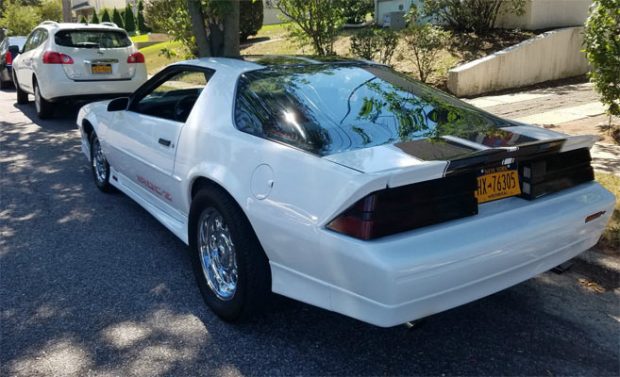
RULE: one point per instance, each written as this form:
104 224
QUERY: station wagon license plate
101 68
497 183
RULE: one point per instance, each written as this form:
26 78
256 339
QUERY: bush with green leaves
19 19
105 16
141 23
171 17
130 20
374 44
479 16
250 18
51 10
94 19
117 19
314 21
355 11
602 48
425 42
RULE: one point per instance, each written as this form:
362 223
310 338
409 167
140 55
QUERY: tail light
400 209
136 57
9 58
549 174
51 57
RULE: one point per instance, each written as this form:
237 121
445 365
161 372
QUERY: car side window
29 45
41 38
174 97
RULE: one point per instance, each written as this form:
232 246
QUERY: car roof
255 62
55 26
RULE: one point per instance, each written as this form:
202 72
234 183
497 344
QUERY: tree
19 19
602 48
130 21
317 21
355 11
51 10
478 16
117 19
374 44
105 16
426 41
83 20
250 18
141 24
95 19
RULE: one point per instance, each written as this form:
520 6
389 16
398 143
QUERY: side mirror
118 104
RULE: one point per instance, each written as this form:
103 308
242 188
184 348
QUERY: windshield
92 38
332 108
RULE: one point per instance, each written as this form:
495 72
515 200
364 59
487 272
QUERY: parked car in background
9 49
74 61
343 184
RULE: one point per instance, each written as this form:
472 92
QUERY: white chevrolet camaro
343 184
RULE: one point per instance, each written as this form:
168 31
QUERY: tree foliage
478 16
117 19
355 11
51 10
19 19
129 21
105 16
250 18
95 18
314 21
141 23
374 44
602 47
425 42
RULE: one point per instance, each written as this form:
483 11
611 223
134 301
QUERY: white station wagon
343 184
68 61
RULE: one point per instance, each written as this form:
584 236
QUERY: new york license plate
101 68
497 183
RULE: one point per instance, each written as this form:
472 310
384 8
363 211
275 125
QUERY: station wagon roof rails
111 24
49 22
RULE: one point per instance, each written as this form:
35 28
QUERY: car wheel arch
88 128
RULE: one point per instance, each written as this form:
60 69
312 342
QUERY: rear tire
22 97
43 106
99 165
230 266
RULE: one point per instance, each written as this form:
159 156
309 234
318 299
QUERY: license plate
101 68
497 183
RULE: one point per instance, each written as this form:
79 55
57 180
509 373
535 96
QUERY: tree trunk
194 8
231 30
66 10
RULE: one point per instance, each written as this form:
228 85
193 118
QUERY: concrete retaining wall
550 56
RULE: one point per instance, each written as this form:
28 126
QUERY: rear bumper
409 276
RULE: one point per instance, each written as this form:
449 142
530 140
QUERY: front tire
99 165
43 106
22 97
230 266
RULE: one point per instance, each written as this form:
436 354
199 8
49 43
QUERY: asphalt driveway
91 284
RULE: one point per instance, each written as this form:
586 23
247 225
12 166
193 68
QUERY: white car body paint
386 281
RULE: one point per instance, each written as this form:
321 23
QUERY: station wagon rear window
92 38
333 108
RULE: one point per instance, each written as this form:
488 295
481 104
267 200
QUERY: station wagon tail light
9 58
400 209
136 57
51 57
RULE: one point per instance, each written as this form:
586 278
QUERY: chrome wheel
217 254
99 162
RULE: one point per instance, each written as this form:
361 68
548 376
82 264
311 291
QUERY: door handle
164 142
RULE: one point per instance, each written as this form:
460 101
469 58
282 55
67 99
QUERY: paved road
90 284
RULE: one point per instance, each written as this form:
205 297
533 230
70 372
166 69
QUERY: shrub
141 24
355 11
478 16
117 19
426 41
314 21
374 44
19 19
171 17
95 19
105 16
130 21
83 20
602 47
250 18
51 10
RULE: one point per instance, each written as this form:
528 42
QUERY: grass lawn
154 58
610 241
140 38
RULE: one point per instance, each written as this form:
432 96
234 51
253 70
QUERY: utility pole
66 10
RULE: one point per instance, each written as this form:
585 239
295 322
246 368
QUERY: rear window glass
92 38
332 108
